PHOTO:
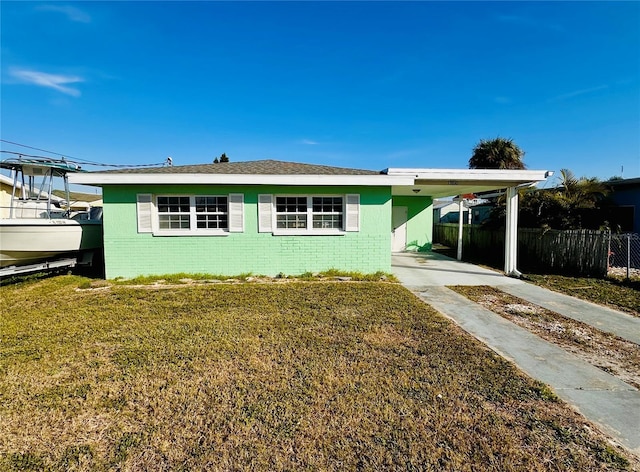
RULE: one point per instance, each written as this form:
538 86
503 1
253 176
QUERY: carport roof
448 182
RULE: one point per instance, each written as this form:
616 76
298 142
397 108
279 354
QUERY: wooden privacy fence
578 252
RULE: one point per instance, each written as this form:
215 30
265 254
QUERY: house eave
99 179
403 181
450 182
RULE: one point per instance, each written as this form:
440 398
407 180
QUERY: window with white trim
291 212
327 212
190 214
212 212
174 213
310 212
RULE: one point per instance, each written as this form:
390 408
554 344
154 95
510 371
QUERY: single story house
269 217
448 211
626 195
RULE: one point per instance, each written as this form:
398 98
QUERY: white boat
35 226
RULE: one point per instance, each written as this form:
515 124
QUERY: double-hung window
291 212
185 215
327 212
212 213
308 214
304 213
174 213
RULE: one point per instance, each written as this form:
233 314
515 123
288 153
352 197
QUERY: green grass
617 294
282 376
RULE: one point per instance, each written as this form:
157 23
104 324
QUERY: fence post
628 256
608 251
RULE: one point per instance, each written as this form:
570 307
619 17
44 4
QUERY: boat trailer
84 259
39 267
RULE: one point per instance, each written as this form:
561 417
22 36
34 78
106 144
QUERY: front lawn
290 376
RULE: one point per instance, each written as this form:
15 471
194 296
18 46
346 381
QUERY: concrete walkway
605 319
600 397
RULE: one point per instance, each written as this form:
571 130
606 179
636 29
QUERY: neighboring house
475 210
626 195
81 200
480 213
6 188
448 211
269 217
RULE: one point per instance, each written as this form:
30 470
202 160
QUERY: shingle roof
264 167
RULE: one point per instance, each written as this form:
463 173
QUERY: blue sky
356 84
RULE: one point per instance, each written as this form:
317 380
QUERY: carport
437 183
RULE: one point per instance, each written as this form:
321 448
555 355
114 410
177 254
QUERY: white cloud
576 93
55 81
72 13
309 142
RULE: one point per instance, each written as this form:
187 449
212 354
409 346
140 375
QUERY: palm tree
584 192
498 153
565 206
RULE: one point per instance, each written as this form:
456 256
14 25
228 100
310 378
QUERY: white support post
460 229
511 234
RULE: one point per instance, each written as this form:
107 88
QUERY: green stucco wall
419 221
129 254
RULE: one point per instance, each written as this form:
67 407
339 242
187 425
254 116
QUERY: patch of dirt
162 284
621 272
617 356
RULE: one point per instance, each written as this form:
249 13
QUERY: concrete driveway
427 269
602 398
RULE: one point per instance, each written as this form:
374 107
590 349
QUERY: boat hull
26 241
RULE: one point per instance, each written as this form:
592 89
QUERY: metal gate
624 255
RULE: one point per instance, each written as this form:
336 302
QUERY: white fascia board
472 175
97 178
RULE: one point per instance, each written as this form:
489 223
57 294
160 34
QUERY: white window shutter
236 212
265 213
144 209
352 213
